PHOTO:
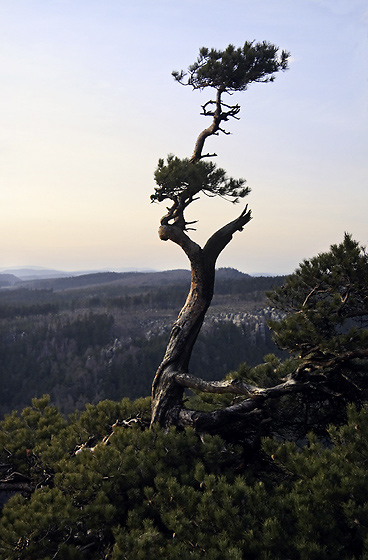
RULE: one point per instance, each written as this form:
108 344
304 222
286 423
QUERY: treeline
12 311
172 296
82 346
79 359
81 291
248 286
52 353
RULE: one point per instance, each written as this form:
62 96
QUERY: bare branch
329 366
218 115
224 131
218 241
25 487
238 387
208 155
17 482
217 420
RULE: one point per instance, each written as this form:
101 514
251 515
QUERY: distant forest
102 336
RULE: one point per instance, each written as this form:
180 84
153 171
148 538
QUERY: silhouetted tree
325 300
180 181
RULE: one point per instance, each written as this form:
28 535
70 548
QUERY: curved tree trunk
214 127
225 71
167 393
172 376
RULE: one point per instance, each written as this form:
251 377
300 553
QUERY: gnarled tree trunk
167 393
180 181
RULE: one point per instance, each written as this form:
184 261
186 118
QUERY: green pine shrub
150 494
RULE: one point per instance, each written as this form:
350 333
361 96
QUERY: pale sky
88 106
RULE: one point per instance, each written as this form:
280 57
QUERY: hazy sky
88 106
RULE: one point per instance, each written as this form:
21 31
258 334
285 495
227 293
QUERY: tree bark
167 393
212 129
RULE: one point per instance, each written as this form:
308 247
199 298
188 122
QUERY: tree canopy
326 322
228 71
233 69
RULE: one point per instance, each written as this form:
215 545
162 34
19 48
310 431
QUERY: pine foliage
179 177
326 303
233 69
148 494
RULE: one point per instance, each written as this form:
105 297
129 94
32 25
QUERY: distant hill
136 279
230 273
7 280
101 278
40 272
32 273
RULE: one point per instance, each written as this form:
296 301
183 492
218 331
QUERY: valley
102 335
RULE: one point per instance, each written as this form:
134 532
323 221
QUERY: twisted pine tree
181 181
325 328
